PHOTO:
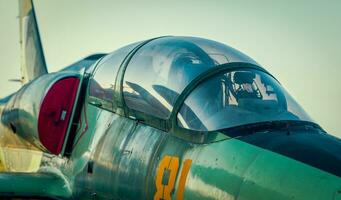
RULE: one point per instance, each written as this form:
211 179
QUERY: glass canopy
161 69
238 98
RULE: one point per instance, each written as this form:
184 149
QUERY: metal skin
121 153
116 157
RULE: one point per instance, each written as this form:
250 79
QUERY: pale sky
299 42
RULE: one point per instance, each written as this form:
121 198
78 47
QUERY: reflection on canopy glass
161 69
102 85
238 98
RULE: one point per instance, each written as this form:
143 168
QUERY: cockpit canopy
161 69
146 79
236 98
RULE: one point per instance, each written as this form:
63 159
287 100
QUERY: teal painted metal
124 165
34 185
246 172
119 154
118 158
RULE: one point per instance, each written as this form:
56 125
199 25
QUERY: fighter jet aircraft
165 118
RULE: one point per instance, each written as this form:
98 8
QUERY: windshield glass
160 70
238 98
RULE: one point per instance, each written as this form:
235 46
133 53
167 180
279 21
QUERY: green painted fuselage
166 118
119 157
114 152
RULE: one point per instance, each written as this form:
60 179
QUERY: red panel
54 114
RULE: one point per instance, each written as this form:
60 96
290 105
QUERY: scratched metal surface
243 171
128 162
128 156
115 157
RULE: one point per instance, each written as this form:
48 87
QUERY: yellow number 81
171 164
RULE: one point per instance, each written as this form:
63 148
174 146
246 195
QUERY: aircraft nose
268 166
318 150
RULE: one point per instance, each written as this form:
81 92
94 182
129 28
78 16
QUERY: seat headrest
244 77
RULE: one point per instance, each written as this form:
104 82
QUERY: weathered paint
126 164
34 185
14 159
248 172
126 154
120 158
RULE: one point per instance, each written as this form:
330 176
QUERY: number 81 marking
171 164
